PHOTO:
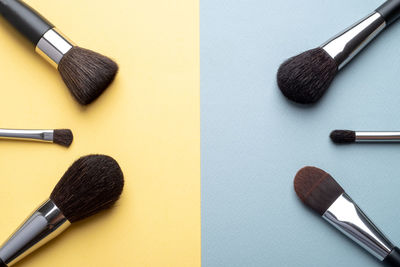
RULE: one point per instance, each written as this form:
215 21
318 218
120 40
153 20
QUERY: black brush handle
25 19
2 264
394 258
390 11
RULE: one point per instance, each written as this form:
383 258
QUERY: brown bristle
306 77
343 136
63 137
93 183
86 73
316 188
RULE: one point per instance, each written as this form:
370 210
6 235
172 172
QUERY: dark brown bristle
306 77
86 73
316 188
93 183
63 137
343 136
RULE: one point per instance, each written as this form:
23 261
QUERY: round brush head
63 137
316 188
343 136
306 77
93 183
86 73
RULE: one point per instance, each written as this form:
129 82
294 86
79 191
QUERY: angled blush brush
61 137
305 77
92 184
86 73
320 192
346 137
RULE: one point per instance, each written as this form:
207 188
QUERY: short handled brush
86 73
347 136
61 137
320 192
306 77
92 184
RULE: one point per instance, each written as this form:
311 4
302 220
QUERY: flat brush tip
343 136
316 188
63 137
305 78
86 73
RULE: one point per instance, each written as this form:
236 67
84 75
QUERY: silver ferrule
53 46
348 218
32 135
374 137
44 224
343 47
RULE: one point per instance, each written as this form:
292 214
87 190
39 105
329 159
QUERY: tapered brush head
93 183
343 136
86 73
306 77
316 188
63 137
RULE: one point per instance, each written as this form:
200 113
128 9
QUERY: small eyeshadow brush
86 73
92 184
61 137
306 77
320 192
346 136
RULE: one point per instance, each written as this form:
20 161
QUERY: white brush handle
41 135
381 137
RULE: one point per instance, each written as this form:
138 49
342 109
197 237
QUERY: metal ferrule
348 218
343 47
43 225
53 46
381 137
41 135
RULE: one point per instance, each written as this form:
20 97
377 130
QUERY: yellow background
148 120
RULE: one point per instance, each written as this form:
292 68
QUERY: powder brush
86 73
306 77
61 137
320 192
93 183
347 136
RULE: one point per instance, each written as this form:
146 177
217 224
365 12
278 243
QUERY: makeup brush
306 77
320 192
86 73
62 137
92 184
346 136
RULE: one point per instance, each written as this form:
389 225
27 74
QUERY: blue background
254 140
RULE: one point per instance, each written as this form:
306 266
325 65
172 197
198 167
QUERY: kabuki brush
86 73
62 137
92 184
320 192
306 77
346 136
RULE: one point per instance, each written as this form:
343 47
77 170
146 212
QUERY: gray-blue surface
254 140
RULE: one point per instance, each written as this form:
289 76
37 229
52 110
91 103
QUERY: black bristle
316 188
63 137
305 77
93 183
343 136
86 73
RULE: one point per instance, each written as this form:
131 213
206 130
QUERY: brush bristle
343 136
63 137
93 183
316 188
306 77
86 73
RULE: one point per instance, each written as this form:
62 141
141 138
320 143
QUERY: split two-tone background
208 145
